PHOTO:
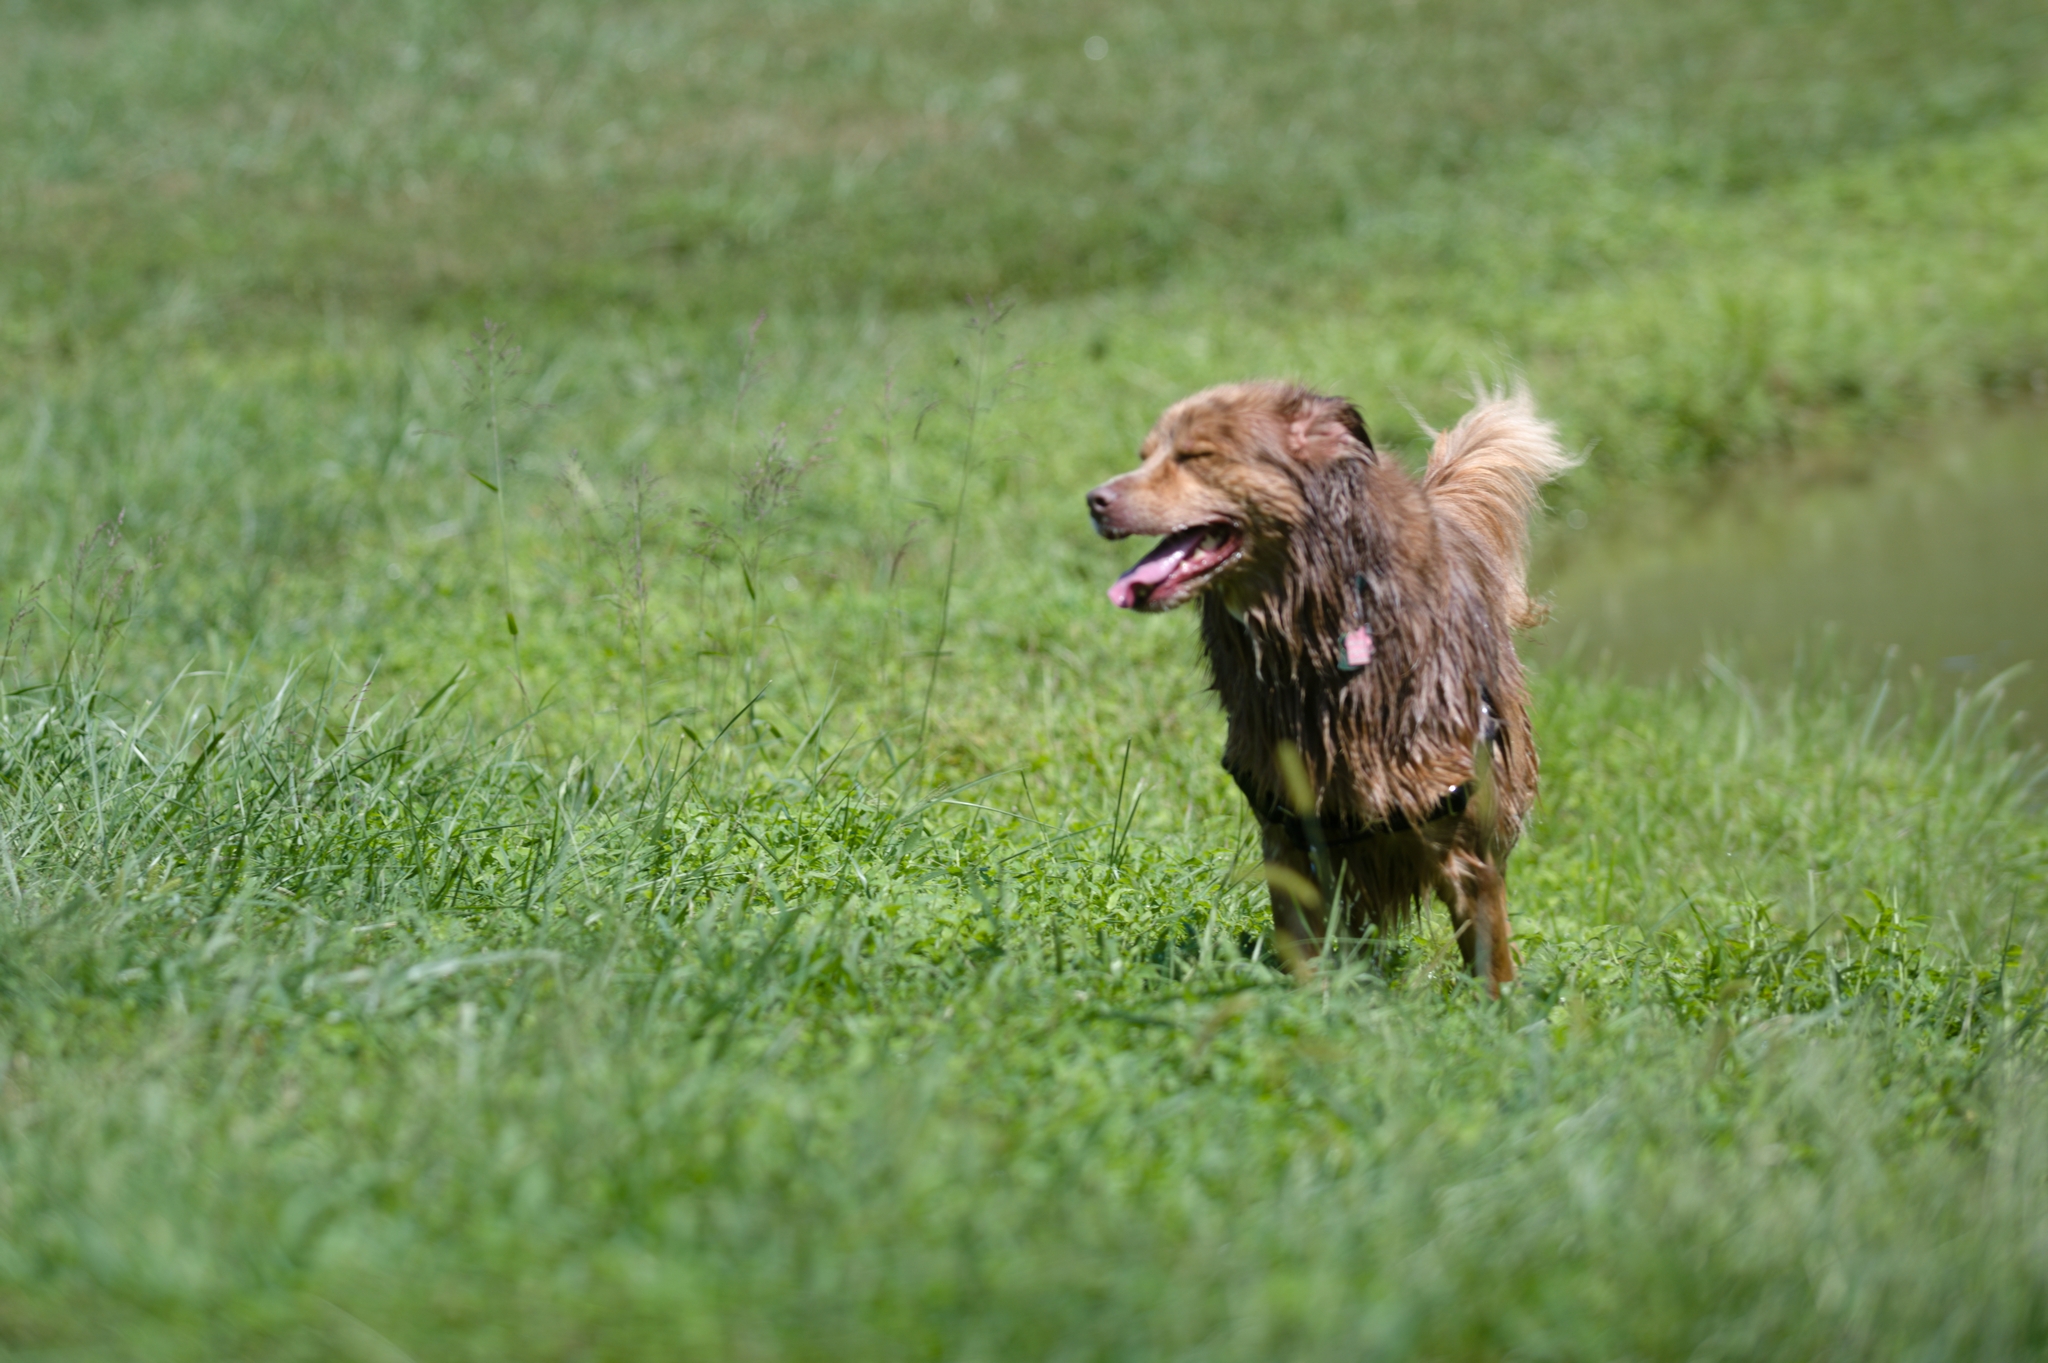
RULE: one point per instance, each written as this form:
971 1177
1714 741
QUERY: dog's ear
1354 426
1351 421
1327 428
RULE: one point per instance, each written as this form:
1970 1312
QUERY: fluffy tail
1486 473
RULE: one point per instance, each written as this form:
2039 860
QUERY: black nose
1099 503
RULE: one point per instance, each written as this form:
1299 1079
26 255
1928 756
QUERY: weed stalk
983 325
490 363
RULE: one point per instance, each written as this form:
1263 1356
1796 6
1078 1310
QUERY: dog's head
1224 478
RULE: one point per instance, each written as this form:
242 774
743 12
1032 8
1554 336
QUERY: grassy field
628 829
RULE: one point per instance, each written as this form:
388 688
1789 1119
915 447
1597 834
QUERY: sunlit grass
756 1040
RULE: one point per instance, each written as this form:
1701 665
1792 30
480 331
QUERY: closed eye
1183 456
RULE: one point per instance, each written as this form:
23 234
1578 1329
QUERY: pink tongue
1154 568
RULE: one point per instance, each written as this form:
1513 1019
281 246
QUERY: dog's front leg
1476 893
1300 918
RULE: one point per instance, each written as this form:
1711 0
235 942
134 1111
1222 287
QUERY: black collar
1307 832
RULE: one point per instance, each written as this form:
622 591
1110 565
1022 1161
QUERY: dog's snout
1100 503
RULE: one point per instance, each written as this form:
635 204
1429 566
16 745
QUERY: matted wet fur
1364 621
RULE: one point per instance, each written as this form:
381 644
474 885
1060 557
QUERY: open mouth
1178 567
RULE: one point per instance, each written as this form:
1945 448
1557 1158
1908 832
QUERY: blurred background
1783 260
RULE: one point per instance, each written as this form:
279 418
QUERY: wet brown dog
1359 628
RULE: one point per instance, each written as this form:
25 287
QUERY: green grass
733 972
768 1051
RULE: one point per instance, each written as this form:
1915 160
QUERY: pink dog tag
1358 647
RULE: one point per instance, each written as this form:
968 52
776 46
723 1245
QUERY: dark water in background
1942 556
